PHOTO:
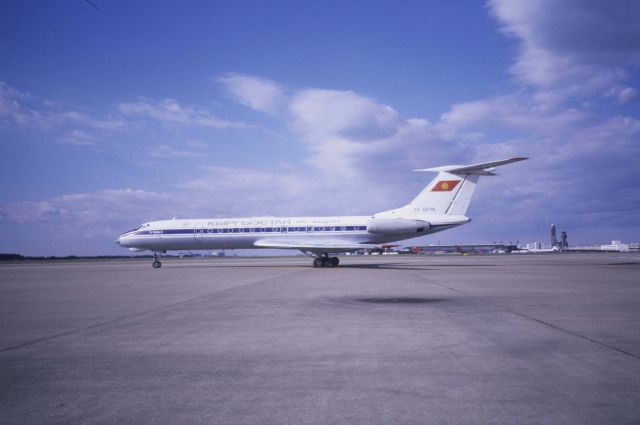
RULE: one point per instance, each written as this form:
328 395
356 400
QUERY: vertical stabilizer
450 192
446 194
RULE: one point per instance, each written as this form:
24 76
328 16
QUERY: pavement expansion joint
526 316
135 314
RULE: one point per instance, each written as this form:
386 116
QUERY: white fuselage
246 233
441 205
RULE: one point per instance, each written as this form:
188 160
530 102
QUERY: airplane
441 205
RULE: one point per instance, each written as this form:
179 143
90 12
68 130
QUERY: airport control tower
563 240
554 238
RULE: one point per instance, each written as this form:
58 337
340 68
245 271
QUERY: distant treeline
19 257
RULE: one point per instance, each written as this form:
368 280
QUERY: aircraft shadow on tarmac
383 301
398 300
388 266
405 266
379 266
372 266
395 266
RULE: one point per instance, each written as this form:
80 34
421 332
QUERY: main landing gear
156 262
325 261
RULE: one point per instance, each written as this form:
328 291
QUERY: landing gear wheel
156 262
325 262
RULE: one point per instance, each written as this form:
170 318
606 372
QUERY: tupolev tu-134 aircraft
440 206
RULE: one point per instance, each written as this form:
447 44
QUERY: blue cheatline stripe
293 229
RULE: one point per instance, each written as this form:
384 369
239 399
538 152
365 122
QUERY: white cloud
513 112
582 180
576 46
82 223
86 209
26 110
164 150
78 118
225 191
170 110
351 136
78 138
626 95
317 113
257 93
13 110
340 128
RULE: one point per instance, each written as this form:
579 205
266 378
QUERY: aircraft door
198 231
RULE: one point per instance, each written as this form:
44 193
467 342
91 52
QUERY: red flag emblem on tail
445 185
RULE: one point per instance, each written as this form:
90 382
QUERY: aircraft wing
313 244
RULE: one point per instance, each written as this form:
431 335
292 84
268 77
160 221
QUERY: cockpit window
137 228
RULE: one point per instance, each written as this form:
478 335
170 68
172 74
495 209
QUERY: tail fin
450 192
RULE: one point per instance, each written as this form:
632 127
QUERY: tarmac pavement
503 339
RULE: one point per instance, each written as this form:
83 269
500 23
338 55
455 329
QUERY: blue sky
137 111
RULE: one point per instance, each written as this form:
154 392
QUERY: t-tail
449 193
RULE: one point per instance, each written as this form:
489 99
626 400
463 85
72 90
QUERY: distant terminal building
535 245
460 249
616 246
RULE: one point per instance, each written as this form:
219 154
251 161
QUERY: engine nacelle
385 226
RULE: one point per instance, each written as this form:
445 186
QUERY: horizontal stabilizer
484 169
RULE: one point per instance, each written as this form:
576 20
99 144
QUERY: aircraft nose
122 239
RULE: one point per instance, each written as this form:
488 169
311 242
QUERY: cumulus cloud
84 209
242 191
342 113
581 179
625 95
582 46
347 133
171 111
13 108
27 110
257 93
78 138
225 191
340 127
75 117
213 191
164 150
512 112
81 223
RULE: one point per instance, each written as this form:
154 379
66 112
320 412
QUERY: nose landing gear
156 262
